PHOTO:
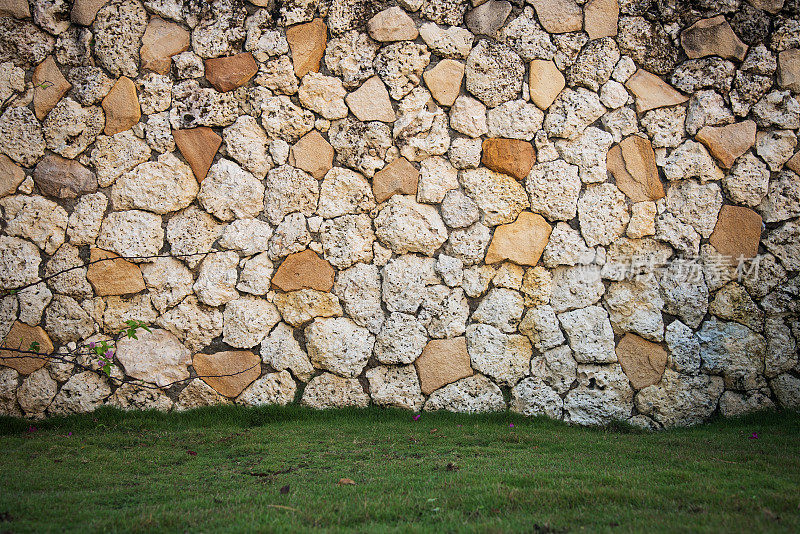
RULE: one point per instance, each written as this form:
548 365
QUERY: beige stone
400 177
313 154
793 164
652 92
18 8
712 37
509 156
228 372
161 41
559 16
113 276
773 6
121 106
20 337
545 82
63 178
633 165
521 241
84 11
198 146
789 69
392 24
370 102
726 143
229 73
642 361
600 18
444 81
442 362
11 175
49 86
307 42
304 270
737 233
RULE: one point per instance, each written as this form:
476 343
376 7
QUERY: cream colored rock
444 81
522 241
282 351
272 388
197 394
246 321
323 95
499 197
161 186
330 391
392 24
652 92
35 218
475 394
406 226
312 154
395 386
300 307
559 16
157 357
82 393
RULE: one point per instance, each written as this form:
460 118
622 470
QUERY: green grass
444 473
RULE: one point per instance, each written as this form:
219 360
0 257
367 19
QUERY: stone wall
583 209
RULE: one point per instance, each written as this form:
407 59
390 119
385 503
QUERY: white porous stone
85 219
191 233
448 42
603 395
323 95
458 210
527 38
117 154
501 308
82 393
230 192
35 218
542 328
733 351
289 190
197 394
395 386
407 226
695 204
290 236
680 400
159 186
603 214
330 391
32 302
36 392
783 200
506 358
554 187
474 394
566 247
400 340
468 116
350 57
21 136
444 311
246 236
421 126
531 397
465 153
404 280
194 324
131 233
576 287
362 146
248 144
635 306
469 244
157 357
588 151
684 348
19 262
347 240
256 275
515 119
450 269
589 334
499 197
70 128
272 388
436 177
359 290
246 321
344 192
216 280
776 147
571 112
281 351
339 345
168 282
300 307
118 29
494 73
400 66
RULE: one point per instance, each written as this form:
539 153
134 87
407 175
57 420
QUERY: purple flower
416 417
754 435
69 433
91 345
109 354
510 425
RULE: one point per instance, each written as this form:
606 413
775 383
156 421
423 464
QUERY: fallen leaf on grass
285 489
191 453
347 482
452 467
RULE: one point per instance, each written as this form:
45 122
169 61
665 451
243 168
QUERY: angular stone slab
304 270
198 146
521 242
442 362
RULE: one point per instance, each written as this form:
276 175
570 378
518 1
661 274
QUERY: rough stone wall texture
427 204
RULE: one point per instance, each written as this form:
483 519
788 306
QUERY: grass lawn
233 469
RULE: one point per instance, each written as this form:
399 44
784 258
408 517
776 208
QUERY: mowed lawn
233 469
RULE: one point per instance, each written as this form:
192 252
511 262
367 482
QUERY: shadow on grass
245 417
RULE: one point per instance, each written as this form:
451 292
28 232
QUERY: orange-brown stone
633 165
49 86
20 337
313 154
737 233
161 41
113 276
793 164
642 361
509 156
726 143
11 175
229 73
198 146
712 37
228 372
307 42
400 177
442 362
121 106
521 242
304 270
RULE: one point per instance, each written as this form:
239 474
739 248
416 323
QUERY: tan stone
228 372
712 37
737 233
113 277
726 143
16 8
370 102
521 242
307 42
773 6
313 154
789 69
84 11
121 105
633 165
304 270
600 18
63 178
642 361
559 16
161 41
509 156
392 24
400 177
20 337
652 92
11 175
793 164
442 362
545 82
49 86
198 146
444 81
232 72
